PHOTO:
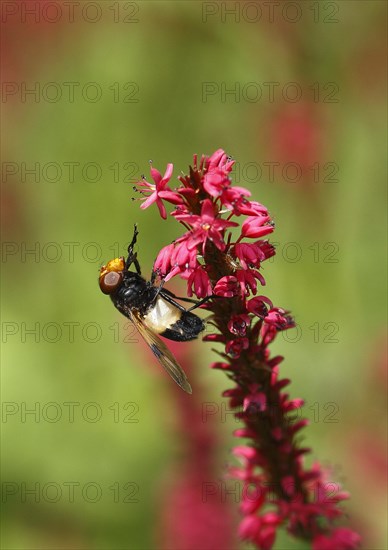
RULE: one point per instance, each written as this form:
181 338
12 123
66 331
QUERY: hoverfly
151 309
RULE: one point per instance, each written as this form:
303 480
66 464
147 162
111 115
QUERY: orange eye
109 282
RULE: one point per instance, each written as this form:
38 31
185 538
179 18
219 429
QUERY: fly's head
112 275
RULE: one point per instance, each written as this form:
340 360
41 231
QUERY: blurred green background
296 93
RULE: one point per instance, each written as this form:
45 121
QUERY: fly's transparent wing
161 352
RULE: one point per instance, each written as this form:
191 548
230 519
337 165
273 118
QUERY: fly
151 309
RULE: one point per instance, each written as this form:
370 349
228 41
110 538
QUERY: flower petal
168 173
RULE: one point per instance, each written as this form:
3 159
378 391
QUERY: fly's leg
200 302
159 289
132 257
153 277
137 265
197 303
190 300
169 297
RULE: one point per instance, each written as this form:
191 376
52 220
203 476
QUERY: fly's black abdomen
186 328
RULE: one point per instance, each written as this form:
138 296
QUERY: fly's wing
161 352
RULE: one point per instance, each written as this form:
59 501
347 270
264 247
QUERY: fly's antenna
132 256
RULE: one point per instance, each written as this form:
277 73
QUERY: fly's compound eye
109 282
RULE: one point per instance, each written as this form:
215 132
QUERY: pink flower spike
279 489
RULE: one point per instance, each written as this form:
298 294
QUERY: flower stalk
278 489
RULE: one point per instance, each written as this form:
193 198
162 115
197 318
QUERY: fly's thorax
134 293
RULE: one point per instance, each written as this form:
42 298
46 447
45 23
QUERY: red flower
235 347
261 530
199 282
174 259
266 249
206 226
340 539
247 279
251 208
279 318
231 197
162 263
249 254
183 257
227 286
215 182
258 306
158 190
239 323
256 226
219 159
257 400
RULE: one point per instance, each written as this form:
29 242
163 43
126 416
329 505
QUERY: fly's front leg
134 239
137 265
132 257
153 277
